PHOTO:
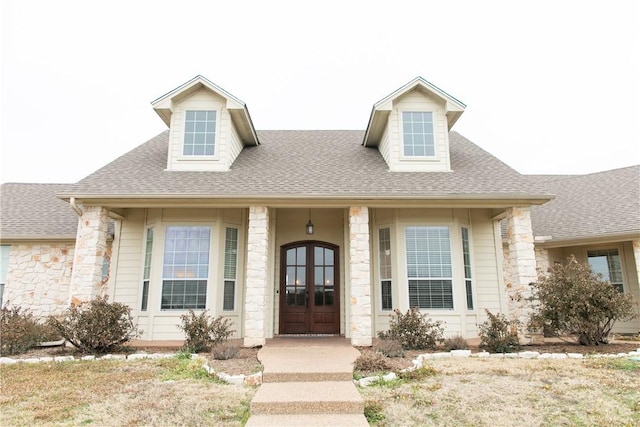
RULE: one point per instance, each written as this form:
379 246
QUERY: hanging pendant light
309 226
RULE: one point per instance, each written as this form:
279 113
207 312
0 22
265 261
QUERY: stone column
256 283
360 277
521 266
88 258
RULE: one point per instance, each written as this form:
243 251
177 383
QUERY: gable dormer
411 127
208 127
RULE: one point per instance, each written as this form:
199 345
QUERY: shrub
390 348
203 332
420 373
224 351
19 331
96 326
572 300
414 330
497 334
456 343
371 361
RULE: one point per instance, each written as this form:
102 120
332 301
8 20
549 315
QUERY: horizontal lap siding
486 280
416 101
128 278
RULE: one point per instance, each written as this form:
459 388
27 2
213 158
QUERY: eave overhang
381 109
238 110
602 238
120 201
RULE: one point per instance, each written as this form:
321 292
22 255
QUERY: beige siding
486 279
127 277
234 145
487 282
385 145
201 100
290 227
417 101
630 276
155 323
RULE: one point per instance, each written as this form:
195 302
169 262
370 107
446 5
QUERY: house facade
596 218
294 232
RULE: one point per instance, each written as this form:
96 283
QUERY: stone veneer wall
39 276
90 252
521 268
360 277
256 309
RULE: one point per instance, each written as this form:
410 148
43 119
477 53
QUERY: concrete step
290 377
307 363
325 397
308 420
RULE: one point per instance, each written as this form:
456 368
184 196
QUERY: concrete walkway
307 381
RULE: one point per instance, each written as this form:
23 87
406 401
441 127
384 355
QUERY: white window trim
182 158
417 159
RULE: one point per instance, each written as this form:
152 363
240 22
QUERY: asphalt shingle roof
587 206
32 211
297 164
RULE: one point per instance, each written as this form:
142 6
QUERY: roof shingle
32 211
298 164
589 206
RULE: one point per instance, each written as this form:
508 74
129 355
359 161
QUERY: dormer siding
417 101
227 143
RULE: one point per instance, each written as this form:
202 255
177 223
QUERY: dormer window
417 133
199 133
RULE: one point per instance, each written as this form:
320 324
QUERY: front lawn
159 392
511 392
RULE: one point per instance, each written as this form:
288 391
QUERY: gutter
75 207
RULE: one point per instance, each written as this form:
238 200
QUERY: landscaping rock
460 353
528 354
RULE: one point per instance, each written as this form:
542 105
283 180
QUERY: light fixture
309 225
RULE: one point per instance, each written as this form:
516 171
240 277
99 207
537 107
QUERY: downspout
75 207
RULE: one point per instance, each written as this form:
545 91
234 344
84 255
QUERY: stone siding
256 308
39 276
91 250
521 268
360 277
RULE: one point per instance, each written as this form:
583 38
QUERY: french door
309 288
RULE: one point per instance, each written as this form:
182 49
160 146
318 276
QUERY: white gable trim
381 109
237 109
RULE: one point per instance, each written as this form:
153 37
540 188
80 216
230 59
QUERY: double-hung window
199 133
417 134
384 244
607 262
185 269
429 268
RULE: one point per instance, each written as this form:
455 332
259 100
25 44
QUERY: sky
551 87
